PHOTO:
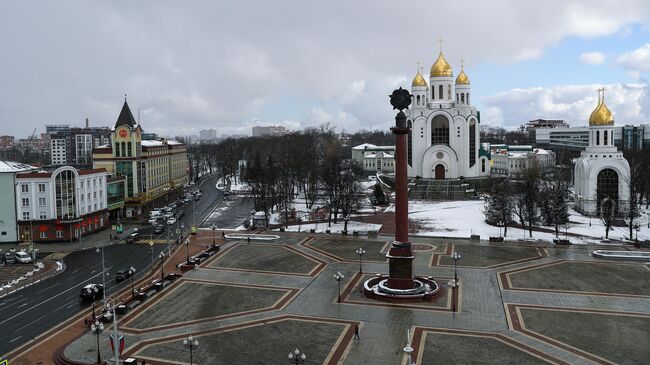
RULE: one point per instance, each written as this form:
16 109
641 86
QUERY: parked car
132 237
9 258
171 221
92 291
121 275
159 228
173 205
23 257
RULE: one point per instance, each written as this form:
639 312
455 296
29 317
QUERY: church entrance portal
439 172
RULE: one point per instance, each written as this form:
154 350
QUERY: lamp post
456 257
131 272
162 266
213 228
360 251
93 291
408 349
338 277
187 249
103 272
191 343
96 329
296 357
112 313
453 284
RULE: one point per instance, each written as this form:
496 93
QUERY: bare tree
608 214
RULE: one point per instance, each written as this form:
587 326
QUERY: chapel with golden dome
444 139
601 173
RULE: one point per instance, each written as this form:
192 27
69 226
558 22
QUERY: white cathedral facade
444 138
601 172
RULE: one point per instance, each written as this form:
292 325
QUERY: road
37 308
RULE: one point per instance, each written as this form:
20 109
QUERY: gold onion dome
462 78
601 116
441 67
418 80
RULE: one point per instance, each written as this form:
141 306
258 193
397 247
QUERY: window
81 184
449 91
472 142
43 235
605 138
440 130
59 233
41 188
24 188
129 149
42 215
433 92
482 165
25 202
94 195
418 99
467 98
462 98
597 138
440 92
65 194
25 215
41 202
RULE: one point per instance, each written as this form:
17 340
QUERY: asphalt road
37 308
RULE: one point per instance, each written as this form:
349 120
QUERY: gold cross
418 66
462 63
440 43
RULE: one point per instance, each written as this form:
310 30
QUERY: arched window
433 92
462 98
440 130
418 100
123 149
129 149
482 165
472 142
117 149
467 98
607 188
409 145
457 97
449 91
605 135
440 91
597 138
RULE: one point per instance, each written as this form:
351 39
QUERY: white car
171 221
23 257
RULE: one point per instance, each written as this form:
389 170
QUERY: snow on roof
11 166
372 147
155 143
363 146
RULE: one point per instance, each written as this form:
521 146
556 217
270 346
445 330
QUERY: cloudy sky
229 65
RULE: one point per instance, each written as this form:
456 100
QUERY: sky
230 65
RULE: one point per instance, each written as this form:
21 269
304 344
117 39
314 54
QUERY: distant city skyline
313 63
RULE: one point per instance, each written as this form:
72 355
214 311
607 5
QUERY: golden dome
462 78
418 80
601 116
441 67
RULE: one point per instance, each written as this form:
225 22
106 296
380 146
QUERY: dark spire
126 117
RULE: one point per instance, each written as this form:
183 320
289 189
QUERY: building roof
126 117
372 147
11 166
158 143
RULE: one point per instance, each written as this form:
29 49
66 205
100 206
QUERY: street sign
119 229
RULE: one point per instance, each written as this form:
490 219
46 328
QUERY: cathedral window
456 97
409 145
449 91
472 142
605 138
597 138
433 92
462 98
606 188
418 100
440 91
467 98
440 130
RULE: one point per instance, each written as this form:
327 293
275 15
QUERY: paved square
486 256
266 258
343 249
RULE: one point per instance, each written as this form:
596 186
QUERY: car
9 258
173 205
23 257
92 291
159 228
132 237
171 221
121 275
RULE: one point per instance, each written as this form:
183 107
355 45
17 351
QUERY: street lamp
338 277
360 251
296 357
213 228
93 291
103 273
112 314
162 266
131 272
456 257
408 349
187 249
453 284
96 329
190 343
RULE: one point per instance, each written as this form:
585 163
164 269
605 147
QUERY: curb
51 275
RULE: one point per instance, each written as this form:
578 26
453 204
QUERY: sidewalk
50 345
90 241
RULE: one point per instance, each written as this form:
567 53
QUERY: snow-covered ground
463 218
360 227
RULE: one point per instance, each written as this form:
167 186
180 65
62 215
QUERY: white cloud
637 60
592 58
629 103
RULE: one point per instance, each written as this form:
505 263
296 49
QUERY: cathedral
601 172
444 139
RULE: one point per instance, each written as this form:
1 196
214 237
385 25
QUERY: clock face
123 133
